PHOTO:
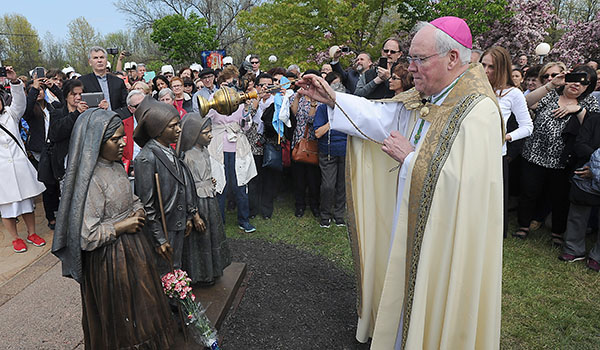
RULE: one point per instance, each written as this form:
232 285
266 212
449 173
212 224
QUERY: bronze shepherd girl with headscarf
99 242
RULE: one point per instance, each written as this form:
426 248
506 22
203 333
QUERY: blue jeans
240 192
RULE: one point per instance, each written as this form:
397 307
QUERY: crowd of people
78 152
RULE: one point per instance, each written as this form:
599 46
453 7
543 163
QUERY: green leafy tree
480 15
220 14
294 31
53 52
183 39
136 42
19 43
80 38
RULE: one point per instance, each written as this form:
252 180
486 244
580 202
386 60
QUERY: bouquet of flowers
176 285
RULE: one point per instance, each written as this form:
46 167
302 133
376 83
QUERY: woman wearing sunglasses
550 71
562 106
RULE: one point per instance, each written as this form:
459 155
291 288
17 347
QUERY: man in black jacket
374 83
113 88
351 75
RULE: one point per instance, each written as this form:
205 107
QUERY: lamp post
542 50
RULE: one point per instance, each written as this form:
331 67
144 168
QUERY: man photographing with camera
350 76
374 83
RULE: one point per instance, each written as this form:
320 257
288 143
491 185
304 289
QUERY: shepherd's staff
170 259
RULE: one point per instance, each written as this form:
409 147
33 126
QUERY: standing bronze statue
159 128
99 241
205 255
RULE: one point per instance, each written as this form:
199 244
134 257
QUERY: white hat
68 70
248 58
167 68
196 67
133 65
75 75
272 58
227 60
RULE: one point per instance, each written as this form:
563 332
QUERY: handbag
286 154
45 168
306 151
272 157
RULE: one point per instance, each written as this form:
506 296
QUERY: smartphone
345 49
2 71
578 77
40 72
581 169
383 62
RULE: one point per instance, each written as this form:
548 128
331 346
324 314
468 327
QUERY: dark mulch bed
294 300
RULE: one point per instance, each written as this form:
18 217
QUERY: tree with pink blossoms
524 30
580 43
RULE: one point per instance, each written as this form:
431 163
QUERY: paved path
45 314
39 308
12 263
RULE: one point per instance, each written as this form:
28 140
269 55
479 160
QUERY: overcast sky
53 16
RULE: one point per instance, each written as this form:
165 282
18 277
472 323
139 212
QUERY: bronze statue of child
205 255
158 128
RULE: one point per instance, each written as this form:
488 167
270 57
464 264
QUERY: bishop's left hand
397 146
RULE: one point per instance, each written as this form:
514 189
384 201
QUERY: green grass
546 304
304 233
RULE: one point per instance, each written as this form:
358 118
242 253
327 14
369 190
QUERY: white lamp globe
542 49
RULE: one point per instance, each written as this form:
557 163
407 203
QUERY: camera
126 53
2 71
112 51
40 72
345 49
577 77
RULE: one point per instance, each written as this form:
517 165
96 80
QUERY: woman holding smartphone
561 108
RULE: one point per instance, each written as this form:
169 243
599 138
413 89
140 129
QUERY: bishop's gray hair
445 43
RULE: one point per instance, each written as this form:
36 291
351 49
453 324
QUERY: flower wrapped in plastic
176 285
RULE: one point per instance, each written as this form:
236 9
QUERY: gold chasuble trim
440 136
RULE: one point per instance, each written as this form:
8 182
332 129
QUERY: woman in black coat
37 115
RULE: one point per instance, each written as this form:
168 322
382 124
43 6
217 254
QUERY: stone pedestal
219 298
